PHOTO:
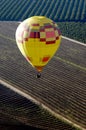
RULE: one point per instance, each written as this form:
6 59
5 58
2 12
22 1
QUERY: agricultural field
74 30
61 10
16 110
62 85
69 14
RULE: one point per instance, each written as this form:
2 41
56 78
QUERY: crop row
57 100
63 10
11 104
60 87
56 94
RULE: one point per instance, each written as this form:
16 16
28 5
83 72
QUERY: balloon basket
38 75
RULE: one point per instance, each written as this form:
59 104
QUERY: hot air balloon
38 38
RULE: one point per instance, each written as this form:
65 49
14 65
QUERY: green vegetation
69 13
74 30
58 10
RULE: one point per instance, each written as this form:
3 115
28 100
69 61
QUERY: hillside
60 90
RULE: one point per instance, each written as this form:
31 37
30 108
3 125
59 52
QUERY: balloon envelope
38 38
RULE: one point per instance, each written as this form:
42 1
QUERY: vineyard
71 20
17 110
62 85
61 89
74 30
61 10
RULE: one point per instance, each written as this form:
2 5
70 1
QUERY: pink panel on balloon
50 34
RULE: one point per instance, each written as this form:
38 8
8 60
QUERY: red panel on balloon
50 42
45 59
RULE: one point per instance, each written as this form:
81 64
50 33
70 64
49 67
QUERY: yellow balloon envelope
38 38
